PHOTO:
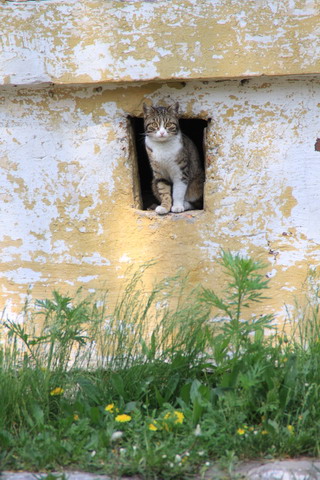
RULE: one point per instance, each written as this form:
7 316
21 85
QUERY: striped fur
177 174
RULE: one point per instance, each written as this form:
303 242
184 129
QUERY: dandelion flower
110 407
264 432
290 428
241 431
123 418
57 391
179 417
75 417
152 427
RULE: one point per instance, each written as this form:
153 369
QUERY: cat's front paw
160 210
177 209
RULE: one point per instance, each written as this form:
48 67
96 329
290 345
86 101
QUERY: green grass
204 384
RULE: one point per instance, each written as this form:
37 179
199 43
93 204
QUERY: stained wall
72 75
88 41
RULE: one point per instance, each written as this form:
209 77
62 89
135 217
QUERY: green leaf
118 385
95 416
160 399
184 393
37 414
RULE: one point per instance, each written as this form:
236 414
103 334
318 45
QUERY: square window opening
194 128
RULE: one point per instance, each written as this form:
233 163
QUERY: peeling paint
67 163
22 276
87 278
69 42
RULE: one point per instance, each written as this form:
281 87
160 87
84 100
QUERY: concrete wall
67 185
67 162
87 41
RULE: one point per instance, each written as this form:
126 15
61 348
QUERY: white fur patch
161 210
165 152
178 194
177 209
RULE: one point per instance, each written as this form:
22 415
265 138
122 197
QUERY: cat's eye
152 127
172 127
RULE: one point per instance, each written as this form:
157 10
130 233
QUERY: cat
178 177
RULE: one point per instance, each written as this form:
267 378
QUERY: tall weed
167 379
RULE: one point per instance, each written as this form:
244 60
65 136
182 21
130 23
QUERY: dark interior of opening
192 127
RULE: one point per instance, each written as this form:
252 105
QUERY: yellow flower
251 429
176 415
110 407
241 431
179 417
152 427
290 428
75 417
264 432
57 391
123 418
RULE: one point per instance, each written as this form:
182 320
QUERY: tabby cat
177 173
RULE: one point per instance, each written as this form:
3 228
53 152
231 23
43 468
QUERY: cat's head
161 123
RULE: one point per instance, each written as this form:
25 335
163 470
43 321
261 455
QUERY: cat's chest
165 154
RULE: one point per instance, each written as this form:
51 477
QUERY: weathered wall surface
70 74
66 183
72 41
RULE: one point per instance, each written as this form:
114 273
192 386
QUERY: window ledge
188 215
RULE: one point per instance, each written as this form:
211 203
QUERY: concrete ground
297 469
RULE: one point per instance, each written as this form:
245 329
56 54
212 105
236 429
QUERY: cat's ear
174 108
146 109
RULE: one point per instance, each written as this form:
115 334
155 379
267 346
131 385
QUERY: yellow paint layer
105 41
94 232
